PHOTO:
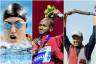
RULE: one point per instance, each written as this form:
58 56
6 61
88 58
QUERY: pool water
16 56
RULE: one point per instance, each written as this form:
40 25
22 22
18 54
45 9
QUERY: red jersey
56 52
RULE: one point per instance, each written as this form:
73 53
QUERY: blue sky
27 5
78 22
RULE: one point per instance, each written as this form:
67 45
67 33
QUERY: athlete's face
77 40
15 29
45 28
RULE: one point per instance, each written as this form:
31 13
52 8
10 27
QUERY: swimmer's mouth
12 36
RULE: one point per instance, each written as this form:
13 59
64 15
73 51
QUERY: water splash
16 56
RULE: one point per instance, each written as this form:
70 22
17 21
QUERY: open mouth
12 36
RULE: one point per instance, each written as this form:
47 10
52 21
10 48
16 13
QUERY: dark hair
15 10
50 20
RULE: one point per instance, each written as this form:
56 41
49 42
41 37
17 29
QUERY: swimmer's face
15 29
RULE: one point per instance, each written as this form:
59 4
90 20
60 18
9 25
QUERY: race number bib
44 55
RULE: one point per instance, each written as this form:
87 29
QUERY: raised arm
66 40
92 41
